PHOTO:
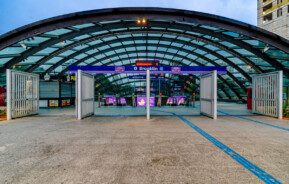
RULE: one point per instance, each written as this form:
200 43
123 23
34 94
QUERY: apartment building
273 15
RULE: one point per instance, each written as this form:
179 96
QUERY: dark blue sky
16 13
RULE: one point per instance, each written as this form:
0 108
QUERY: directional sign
222 70
143 77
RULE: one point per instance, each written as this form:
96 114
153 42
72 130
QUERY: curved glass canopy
118 37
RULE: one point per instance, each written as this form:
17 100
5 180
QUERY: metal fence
208 94
267 92
22 94
84 95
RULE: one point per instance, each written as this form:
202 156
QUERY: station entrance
122 36
268 86
23 92
85 86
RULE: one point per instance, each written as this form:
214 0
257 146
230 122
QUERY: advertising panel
141 101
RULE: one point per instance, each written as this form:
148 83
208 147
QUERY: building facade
273 15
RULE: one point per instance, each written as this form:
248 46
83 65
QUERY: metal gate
22 94
84 95
208 94
267 92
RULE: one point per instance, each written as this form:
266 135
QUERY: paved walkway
54 147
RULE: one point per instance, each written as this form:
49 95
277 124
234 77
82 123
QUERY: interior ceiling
174 37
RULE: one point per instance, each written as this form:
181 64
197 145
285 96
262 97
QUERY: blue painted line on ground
99 115
257 171
238 115
256 121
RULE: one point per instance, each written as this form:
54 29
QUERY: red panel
146 63
249 98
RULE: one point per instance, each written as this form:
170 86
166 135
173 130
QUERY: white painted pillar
9 94
93 95
280 95
79 95
215 89
148 91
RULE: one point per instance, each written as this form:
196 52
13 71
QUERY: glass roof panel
31 59
54 60
210 27
228 44
244 52
211 47
91 51
47 51
12 50
81 26
232 34
80 56
94 42
67 53
4 60
80 47
99 33
58 32
224 53
81 37
277 54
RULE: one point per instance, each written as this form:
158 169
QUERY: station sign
221 70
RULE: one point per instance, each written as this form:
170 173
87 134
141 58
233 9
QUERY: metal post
215 94
280 95
253 94
148 90
194 100
79 95
98 100
159 85
93 95
9 94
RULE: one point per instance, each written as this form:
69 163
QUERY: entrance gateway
23 89
85 83
208 94
267 94
84 95
22 94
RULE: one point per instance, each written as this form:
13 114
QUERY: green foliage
286 110
2 112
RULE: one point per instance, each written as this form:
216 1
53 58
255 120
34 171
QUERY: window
279 1
268 18
267 7
279 12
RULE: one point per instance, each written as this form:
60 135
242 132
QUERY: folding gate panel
84 95
267 92
208 94
22 94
